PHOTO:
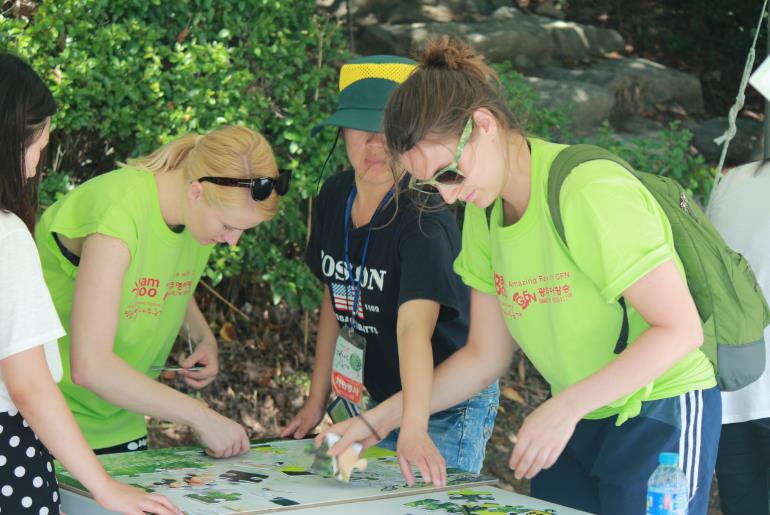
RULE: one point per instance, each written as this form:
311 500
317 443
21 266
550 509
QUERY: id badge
348 365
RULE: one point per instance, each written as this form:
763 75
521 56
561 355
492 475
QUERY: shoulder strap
566 161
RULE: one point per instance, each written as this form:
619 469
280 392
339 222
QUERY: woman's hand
222 437
116 496
304 421
415 447
352 430
206 355
542 438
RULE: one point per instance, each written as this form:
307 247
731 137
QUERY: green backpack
731 304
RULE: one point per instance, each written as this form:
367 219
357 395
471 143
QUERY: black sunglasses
261 187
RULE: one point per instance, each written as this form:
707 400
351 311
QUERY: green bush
131 74
668 154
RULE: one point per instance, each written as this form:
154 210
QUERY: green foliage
668 154
131 74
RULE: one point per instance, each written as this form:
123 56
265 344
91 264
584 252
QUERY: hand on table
122 498
304 421
222 437
542 438
415 447
352 430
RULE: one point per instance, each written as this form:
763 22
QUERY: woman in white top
33 414
739 211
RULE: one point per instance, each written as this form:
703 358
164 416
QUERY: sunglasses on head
261 187
449 175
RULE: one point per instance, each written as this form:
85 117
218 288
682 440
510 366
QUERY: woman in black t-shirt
387 272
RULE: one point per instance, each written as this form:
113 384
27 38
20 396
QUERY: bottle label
666 503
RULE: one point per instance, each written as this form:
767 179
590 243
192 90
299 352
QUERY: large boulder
640 86
527 40
745 147
586 105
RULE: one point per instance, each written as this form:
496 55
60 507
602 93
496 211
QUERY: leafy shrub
131 74
667 154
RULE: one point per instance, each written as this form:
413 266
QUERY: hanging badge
348 365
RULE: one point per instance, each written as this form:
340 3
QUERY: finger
157 509
435 471
245 444
305 427
424 468
442 471
552 457
165 502
406 470
291 428
518 451
344 442
318 440
200 355
525 462
537 464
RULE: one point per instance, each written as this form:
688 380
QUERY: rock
745 147
550 10
587 104
528 41
640 86
575 43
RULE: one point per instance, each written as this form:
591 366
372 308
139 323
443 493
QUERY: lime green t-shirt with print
559 304
158 284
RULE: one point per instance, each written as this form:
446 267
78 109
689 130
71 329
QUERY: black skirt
27 479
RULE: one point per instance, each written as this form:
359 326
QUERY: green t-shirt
158 284
561 305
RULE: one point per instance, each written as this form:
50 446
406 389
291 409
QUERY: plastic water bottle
667 491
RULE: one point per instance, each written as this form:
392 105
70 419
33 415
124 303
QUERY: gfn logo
500 285
146 287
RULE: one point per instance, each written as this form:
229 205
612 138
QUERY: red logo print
524 299
500 284
146 287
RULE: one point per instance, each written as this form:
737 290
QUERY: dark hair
26 103
450 83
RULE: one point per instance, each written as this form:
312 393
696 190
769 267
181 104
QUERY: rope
729 134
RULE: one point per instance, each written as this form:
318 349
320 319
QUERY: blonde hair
231 151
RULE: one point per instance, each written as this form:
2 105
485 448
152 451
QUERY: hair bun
447 52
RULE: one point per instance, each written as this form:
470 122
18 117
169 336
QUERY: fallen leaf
183 34
512 395
227 332
522 372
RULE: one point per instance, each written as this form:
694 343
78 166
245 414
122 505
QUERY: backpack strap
566 161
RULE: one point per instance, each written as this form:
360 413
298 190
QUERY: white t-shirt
27 315
740 211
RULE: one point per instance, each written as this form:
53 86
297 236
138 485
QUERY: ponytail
449 84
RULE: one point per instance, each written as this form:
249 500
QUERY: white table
74 504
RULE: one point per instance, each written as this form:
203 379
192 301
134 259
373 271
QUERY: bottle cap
668 458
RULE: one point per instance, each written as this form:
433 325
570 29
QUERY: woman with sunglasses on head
386 267
122 254
594 443
31 406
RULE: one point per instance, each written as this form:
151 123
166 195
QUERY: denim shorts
462 431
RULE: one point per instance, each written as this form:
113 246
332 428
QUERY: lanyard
355 284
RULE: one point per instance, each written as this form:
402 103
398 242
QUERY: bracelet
371 427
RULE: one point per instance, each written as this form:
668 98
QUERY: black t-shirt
409 258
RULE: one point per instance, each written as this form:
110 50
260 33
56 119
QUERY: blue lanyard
355 284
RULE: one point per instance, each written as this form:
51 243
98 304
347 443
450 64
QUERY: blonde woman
122 255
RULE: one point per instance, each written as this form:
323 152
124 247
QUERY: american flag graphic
343 299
